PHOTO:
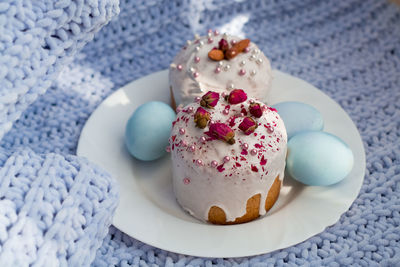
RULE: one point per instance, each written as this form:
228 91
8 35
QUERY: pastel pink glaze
255 160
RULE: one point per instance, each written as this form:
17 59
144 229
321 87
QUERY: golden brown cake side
216 215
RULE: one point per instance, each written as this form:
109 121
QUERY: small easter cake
228 157
218 62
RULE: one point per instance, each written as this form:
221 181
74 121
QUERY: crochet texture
348 49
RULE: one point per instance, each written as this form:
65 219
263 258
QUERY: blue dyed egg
299 117
148 130
318 158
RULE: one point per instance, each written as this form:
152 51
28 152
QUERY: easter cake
218 62
228 157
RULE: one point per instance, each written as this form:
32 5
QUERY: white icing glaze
231 188
185 86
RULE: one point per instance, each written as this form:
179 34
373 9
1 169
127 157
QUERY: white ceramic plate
148 211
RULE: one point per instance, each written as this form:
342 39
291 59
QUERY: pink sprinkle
197 59
263 161
214 163
270 129
190 109
196 74
254 168
252 101
168 149
246 50
179 67
210 40
218 70
226 159
245 146
242 72
233 42
258 145
216 32
225 111
182 131
221 168
199 162
197 99
186 180
253 152
192 148
178 109
202 139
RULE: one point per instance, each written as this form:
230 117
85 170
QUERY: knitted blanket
56 208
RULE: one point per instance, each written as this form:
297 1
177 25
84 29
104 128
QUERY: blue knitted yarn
348 49
36 39
54 210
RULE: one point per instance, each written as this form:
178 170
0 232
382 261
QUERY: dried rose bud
236 96
248 125
209 100
223 45
201 118
223 132
256 110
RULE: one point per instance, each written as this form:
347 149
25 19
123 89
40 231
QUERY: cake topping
255 110
236 96
201 118
223 132
214 163
216 55
248 125
225 52
237 48
245 146
210 99
223 45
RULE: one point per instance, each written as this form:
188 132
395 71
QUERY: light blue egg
299 117
318 158
148 129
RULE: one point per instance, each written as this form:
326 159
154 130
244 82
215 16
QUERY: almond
216 55
239 47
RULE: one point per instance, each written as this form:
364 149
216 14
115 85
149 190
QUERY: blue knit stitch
54 210
348 49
